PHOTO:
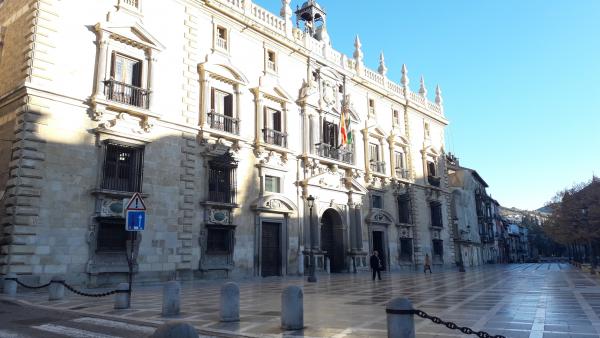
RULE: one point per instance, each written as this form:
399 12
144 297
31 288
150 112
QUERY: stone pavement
519 300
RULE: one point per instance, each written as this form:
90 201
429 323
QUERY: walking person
427 265
375 263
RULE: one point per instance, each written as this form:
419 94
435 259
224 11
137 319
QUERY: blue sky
520 81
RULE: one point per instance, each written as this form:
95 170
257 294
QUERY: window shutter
228 105
212 99
137 74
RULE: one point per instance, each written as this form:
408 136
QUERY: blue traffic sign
136 220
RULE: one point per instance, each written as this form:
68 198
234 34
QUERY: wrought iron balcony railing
125 93
275 137
223 122
378 166
402 173
343 155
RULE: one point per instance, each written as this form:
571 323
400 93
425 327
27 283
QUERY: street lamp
461 264
584 214
311 277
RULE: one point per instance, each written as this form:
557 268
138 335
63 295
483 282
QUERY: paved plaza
520 300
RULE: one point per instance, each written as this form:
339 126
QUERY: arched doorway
332 239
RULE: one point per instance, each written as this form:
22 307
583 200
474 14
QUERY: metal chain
28 286
453 326
69 287
81 293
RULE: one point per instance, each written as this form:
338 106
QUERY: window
122 168
330 134
218 240
222 38
272 184
396 116
404 211
273 132
438 250
112 235
436 214
271 61
401 172
371 106
221 114
432 178
376 201
427 132
431 168
374 158
125 84
406 249
221 179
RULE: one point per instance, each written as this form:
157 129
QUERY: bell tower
313 17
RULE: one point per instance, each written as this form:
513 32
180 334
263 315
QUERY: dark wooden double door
270 249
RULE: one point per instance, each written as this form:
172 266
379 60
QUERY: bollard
230 302
10 284
327 265
122 297
171 299
175 329
292 308
400 320
56 290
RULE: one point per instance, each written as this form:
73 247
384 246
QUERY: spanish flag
343 132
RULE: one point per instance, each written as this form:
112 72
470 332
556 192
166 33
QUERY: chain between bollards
450 325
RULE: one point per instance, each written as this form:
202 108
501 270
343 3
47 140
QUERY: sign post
135 220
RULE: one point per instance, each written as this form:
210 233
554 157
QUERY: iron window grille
436 214
222 179
406 250
218 240
404 206
111 236
122 168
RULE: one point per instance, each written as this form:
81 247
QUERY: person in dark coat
375 263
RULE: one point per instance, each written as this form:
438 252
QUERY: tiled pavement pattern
525 300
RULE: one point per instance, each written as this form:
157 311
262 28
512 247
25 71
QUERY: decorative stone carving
111 208
148 124
405 232
273 204
219 216
435 234
329 94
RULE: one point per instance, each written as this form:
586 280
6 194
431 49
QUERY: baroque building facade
226 118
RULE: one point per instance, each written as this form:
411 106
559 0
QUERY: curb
151 323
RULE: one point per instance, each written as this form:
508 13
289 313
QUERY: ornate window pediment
380 216
274 203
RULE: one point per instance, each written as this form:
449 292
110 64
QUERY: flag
343 133
349 136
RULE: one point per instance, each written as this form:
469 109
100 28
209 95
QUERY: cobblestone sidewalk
525 300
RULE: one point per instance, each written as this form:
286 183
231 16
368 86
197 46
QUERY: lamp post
461 264
584 214
311 277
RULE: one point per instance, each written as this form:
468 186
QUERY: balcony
402 173
127 94
223 122
434 180
271 66
328 151
222 43
377 166
275 137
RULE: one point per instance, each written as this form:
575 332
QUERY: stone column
313 132
352 219
102 58
358 222
151 80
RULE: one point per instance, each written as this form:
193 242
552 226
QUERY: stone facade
226 118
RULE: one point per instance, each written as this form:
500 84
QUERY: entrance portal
271 250
379 245
332 239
